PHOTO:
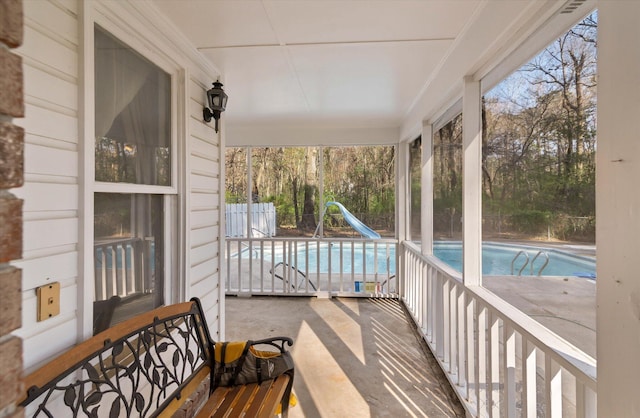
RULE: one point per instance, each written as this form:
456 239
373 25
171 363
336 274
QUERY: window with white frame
133 182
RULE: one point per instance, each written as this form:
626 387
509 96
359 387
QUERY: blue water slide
355 223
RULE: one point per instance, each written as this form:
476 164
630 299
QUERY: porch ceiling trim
304 135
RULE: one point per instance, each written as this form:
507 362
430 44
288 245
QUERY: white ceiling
348 63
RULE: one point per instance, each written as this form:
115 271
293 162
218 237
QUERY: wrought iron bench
156 364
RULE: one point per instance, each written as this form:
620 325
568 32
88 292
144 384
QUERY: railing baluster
425 301
494 364
130 279
529 392
432 303
453 298
415 284
329 268
470 348
585 401
375 266
446 324
387 257
273 269
103 251
261 266
342 269
462 347
553 388
437 318
317 268
250 266
117 271
353 263
239 266
481 359
287 270
509 371
113 283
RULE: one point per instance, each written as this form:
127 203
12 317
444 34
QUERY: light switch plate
48 300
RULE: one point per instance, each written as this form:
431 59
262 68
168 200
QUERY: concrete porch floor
354 357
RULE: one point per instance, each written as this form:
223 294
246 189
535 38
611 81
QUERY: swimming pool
380 258
497 258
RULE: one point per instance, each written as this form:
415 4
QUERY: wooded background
538 162
361 178
539 145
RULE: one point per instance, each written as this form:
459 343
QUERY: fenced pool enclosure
365 267
294 266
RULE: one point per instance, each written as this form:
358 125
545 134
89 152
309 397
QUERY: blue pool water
367 257
496 259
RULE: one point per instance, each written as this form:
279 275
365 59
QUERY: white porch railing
311 266
501 362
123 267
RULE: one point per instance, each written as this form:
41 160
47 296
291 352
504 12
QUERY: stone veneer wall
11 176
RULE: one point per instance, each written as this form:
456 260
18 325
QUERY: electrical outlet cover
48 301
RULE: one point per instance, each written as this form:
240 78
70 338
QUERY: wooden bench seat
252 400
156 364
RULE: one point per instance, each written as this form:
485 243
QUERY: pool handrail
286 265
543 266
524 265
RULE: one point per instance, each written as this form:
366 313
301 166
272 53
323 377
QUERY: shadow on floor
354 357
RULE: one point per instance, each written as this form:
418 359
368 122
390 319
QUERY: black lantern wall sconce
217 99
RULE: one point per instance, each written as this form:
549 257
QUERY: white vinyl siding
204 259
52 193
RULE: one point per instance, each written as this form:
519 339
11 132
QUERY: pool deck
565 305
577 248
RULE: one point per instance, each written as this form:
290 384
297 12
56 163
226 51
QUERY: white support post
403 185
426 183
86 176
618 208
472 182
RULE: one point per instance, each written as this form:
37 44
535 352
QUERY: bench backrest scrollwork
135 368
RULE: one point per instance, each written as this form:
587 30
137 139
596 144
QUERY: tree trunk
310 186
486 176
296 212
